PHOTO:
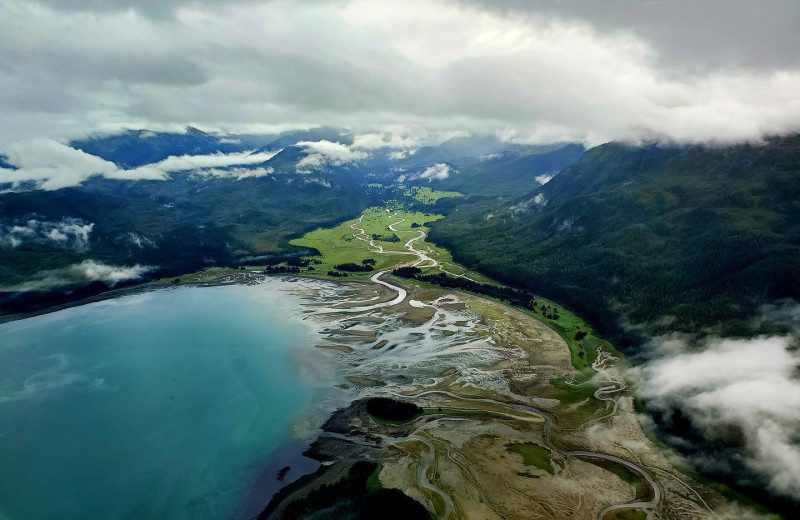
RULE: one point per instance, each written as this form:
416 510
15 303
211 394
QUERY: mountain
173 226
286 160
323 133
678 238
138 147
516 169
474 146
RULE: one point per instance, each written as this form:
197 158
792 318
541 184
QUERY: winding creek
604 393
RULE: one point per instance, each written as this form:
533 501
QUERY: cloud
713 33
82 273
400 154
544 179
68 232
376 141
438 172
540 70
736 390
49 165
237 173
140 241
316 180
217 160
320 154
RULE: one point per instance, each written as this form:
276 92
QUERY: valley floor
521 419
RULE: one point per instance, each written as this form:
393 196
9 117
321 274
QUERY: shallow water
165 405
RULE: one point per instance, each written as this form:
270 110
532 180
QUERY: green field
425 195
338 245
643 490
533 455
403 194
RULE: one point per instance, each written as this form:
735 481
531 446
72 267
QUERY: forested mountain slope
684 237
512 171
171 227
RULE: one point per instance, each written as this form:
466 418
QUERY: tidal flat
198 402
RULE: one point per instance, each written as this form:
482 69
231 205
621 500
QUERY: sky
689 71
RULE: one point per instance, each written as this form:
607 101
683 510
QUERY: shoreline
240 278
266 473
266 484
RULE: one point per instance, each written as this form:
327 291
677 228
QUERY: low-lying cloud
377 141
49 165
320 154
68 232
740 391
182 163
237 173
437 172
80 274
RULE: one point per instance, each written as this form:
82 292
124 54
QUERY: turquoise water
165 405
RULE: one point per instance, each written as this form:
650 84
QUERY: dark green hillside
682 236
286 160
176 226
138 147
510 172
134 148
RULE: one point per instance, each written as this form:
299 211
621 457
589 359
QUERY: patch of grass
583 352
425 195
388 422
533 455
344 475
374 481
572 393
337 245
454 412
643 490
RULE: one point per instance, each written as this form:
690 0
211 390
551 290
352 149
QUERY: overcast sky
683 70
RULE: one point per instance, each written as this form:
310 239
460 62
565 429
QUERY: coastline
239 278
264 473
266 482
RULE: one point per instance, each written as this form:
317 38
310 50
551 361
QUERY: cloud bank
320 154
738 391
80 274
540 70
437 172
68 232
47 164
196 162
